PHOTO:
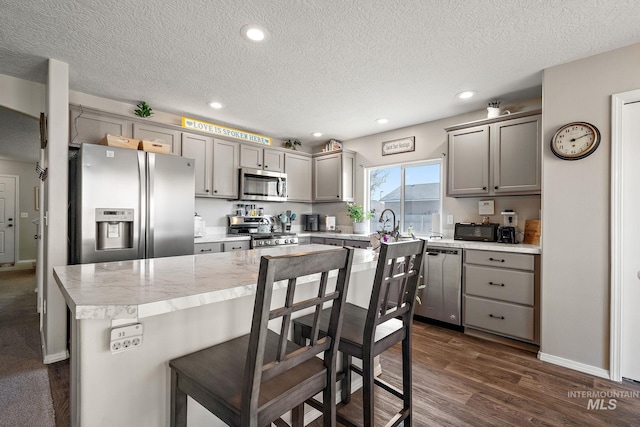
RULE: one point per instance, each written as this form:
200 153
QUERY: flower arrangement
357 212
494 104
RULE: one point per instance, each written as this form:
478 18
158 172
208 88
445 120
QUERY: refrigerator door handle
142 205
151 165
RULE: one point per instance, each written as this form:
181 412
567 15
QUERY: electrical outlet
449 219
125 338
24 214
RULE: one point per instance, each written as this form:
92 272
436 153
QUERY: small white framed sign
401 145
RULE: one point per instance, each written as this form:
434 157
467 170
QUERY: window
411 191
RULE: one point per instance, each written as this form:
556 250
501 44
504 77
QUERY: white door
630 344
8 219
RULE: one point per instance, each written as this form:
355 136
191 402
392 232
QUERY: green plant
494 104
143 109
292 143
357 212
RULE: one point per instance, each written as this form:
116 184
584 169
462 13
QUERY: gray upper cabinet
502 157
517 155
159 133
298 169
257 157
89 126
333 178
468 172
226 159
200 148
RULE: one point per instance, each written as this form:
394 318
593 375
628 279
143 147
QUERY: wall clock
575 141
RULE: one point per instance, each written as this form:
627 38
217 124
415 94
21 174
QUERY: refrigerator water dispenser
114 228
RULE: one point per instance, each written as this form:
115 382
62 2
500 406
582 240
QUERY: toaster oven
476 232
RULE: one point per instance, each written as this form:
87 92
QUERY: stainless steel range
262 230
273 239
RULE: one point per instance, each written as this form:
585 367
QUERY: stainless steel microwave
257 184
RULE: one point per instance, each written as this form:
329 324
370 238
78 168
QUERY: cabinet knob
259 164
338 196
207 190
484 188
495 188
9 225
215 191
266 166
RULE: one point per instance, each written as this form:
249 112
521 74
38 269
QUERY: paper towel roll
435 223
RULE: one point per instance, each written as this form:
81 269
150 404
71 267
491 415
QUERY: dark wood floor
460 380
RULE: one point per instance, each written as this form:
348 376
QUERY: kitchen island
182 304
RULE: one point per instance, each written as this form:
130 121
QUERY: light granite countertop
142 288
448 243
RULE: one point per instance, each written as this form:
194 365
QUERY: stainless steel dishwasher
442 277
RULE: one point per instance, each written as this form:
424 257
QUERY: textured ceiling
332 66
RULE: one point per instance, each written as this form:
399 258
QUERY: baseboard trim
47 359
572 364
26 264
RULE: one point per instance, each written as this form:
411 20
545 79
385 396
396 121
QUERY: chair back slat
291 267
395 285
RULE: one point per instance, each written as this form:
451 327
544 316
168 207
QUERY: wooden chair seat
201 377
253 380
352 337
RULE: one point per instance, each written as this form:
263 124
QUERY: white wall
26 196
22 95
431 143
575 203
54 326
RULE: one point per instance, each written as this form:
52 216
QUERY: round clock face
575 141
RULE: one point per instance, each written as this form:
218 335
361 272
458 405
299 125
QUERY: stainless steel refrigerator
129 204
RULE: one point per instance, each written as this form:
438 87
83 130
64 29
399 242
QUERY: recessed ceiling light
254 33
466 94
215 105
382 121
317 134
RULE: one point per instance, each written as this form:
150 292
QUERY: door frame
615 345
16 207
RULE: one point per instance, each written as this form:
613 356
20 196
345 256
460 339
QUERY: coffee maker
507 232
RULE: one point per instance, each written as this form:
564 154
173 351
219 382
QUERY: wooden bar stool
254 379
366 333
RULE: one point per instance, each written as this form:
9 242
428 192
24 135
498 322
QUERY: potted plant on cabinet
358 215
292 143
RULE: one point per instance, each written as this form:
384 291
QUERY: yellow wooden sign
224 131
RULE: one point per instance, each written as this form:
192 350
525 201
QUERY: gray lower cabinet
89 126
304 240
496 157
299 177
360 244
207 248
333 177
236 246
214 247
159 133
501 294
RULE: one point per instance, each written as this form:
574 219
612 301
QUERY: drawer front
318 240
236 246
361 244
498 283
499 259
334 242
500 317
207 248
